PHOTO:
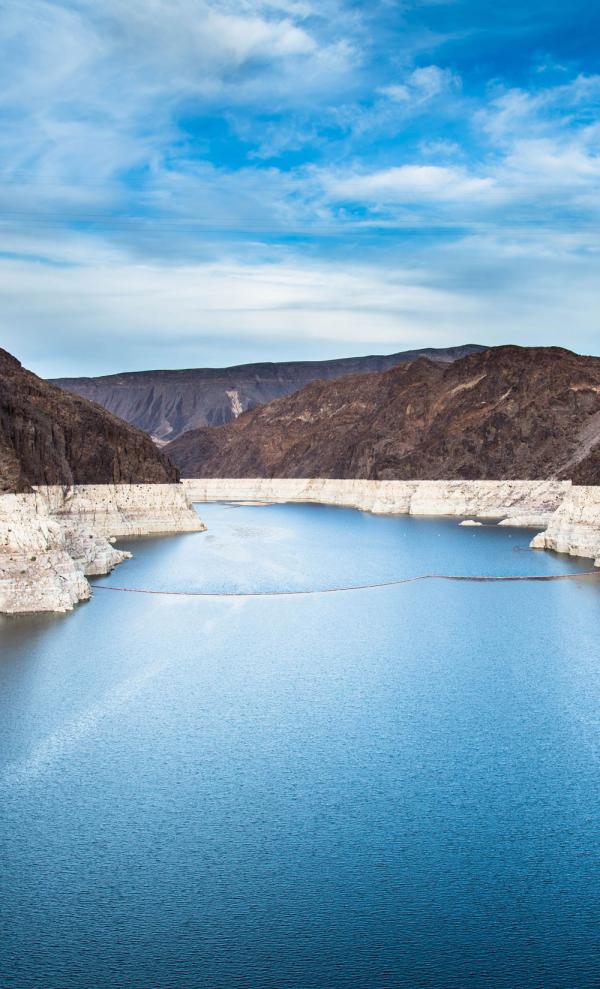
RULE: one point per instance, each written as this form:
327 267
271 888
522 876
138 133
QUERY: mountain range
168 403
506 412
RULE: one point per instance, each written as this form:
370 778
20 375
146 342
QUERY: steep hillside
167 403
509 412
48 436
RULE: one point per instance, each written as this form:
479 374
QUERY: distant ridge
507 413
168 403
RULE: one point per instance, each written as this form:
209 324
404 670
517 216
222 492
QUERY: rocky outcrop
168 403
575 526
123 510
51 538
37 572
48 436
510 412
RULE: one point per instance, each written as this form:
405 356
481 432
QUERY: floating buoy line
344 590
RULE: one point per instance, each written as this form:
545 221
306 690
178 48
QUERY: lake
392 787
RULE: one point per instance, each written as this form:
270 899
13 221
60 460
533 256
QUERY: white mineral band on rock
52 538
569 515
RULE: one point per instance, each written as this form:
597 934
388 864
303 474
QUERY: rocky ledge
54 537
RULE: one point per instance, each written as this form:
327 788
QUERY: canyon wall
510 412
54 537
48 436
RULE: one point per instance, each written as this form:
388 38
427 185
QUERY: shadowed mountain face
509 412
168 403
48 436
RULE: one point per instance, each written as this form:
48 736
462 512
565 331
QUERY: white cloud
423 84
67 315
90 92
411 184
549 111
116 57
537 158
111 313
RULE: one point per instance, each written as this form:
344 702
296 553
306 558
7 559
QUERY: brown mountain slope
509 412
167 403
48 436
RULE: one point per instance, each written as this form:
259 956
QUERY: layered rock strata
123 510
51 539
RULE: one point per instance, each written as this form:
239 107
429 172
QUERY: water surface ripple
398 787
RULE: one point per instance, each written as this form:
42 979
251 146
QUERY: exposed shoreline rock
51 539
575 526
37 572
569 514
491 500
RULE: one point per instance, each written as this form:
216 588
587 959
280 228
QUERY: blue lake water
397 787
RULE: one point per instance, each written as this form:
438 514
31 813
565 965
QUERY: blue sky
205 182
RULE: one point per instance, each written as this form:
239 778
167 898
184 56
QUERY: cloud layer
204 181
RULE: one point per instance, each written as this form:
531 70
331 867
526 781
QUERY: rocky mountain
48 436
167 403
509 412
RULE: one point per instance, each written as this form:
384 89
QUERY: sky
191 183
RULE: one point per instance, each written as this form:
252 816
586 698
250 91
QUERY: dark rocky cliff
510 412
48 436
167 403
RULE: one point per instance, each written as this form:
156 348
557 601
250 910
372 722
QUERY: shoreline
53 538
567 516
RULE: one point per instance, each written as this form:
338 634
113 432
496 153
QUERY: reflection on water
396 787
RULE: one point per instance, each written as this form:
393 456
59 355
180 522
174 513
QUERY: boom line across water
352 587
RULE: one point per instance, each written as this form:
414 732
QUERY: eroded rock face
168 403
510 412
48 436
575 526
123 510
37 572
50 539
